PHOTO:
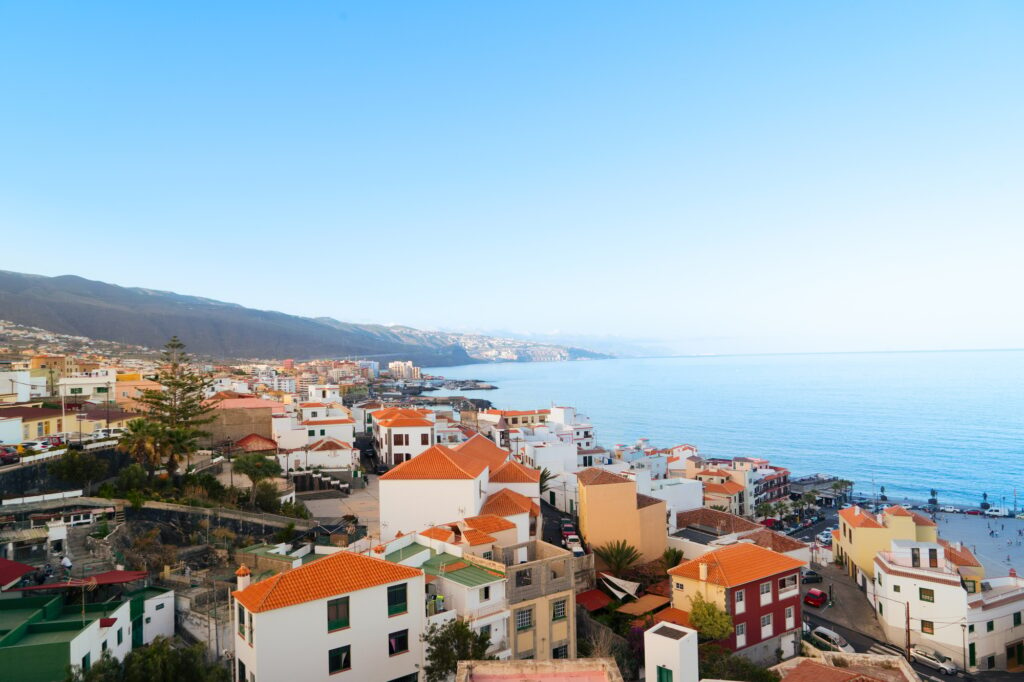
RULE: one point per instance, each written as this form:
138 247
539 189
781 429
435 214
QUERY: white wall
678 655
90 640
10 430
292 643
158 617
409 506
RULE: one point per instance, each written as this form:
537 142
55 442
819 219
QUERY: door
551 497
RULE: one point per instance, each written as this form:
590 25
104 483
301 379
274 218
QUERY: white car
933 659
832 639
37 445
950 510
571 540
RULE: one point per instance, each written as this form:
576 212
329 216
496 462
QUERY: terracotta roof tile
475 537
958 556
337 574
673 615
777 542
439 533
437 463
738 564
514 472
315 422
646 501
484 449
595 476
812 671
728 488
507 502
489 523
856 517
256 443
329 444
721 522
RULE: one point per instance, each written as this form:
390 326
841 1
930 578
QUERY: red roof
107 622
508 502
514 472
108 578
437 463
592 600
256 443
484 449
12 570
315 422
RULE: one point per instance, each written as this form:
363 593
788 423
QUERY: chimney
703 571
1013 572
243 576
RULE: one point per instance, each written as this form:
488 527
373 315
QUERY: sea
908 421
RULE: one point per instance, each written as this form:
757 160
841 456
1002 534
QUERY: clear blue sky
723 176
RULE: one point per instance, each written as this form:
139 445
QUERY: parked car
811 577
37 445
570 540
973 512
846 505
380 469
815 597
949 509
825 537
9 455
933 659
997 511
567 530
832 639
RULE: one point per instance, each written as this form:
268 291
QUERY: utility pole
907 605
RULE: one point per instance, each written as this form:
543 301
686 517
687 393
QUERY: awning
619 587
108 578
593 600
645 604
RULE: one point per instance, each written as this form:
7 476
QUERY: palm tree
545 480
809 498
142 440
257 468
984 501
763 509
618 556
672 556
881 494
780 508
934 500
177 442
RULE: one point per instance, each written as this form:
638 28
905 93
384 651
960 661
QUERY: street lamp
963 627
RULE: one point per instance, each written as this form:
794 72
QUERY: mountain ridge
70 304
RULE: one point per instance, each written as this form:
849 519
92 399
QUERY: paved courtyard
999 552
362 503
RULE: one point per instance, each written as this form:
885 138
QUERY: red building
759 588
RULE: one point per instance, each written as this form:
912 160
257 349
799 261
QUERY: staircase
77 548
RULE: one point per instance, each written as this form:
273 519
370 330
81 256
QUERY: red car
973 512
815 598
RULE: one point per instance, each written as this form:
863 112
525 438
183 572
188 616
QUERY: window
485 593
489 555
337 614
241 620
101 389
990 626
927 627
311 432
741 635
560 651
250 627
766 588
339 659
120 635
1016 619
766 619
915 557
933 558
970 628
398 642
76 391
524 619
879 608
524 578
160 606
241 670
313 413
925 594
895 588
485 630
789 617
103 646
558 610
991 662
786 583
664 674
86 660
397 600
322 432
424 439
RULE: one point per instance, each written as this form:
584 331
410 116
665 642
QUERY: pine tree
180 408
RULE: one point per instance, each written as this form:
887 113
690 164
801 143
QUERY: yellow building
862 535
612 510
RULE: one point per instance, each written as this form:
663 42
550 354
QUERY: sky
709 177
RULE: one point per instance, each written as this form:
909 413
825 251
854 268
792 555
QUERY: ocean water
953 421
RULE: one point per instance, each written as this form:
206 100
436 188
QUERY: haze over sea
912 421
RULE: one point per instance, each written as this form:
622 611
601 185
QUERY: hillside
73 305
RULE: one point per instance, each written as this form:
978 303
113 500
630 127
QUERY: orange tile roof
673 615
339 573
921 520
314 422
737 564
514 472
507 502
256 443
396 412
484 449
475 537
439 533
516 413
329 444
812 671
959 556
401 422
595 476
856 517
312 404
897 510
777 542
437 463
489 523
646 501
714 472
727 488
722 522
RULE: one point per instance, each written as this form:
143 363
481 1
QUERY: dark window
312 432
560 651
339 659
990 626
120 635
915 557
895 588
398 642
241 670
933 558
524 577
991 662
337 614
397 599
558 610
970 628
160 606
1016 619
241 620
925 594
927 627
424 439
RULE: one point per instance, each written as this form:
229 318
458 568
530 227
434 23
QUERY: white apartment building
22 386
401 434
403 370
95 386
343 617
952 607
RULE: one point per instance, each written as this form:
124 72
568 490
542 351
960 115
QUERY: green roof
467 574
400 555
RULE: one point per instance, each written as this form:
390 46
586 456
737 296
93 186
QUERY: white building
346 614
928 582
670 654
22 385
327 453
402 433
96 386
